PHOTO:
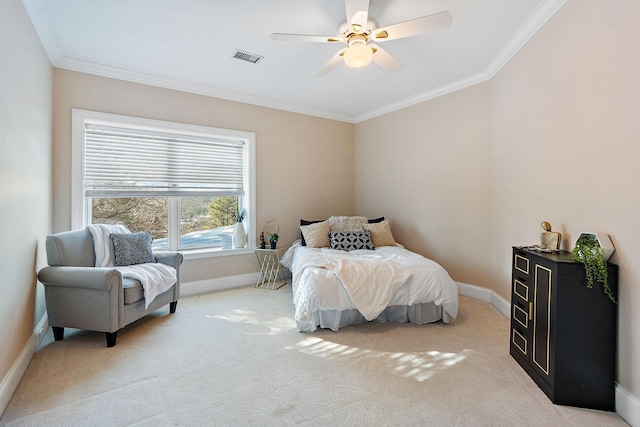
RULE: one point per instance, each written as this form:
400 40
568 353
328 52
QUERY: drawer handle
530 311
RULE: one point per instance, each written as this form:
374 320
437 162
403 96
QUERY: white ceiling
189 45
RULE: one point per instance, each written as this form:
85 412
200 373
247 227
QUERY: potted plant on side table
273 240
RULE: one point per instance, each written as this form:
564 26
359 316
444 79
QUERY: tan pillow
381 233
316 235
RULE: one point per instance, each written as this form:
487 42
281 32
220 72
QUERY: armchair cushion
132 248
133 290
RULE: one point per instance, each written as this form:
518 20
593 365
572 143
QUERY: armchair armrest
174 259
97 278
83 297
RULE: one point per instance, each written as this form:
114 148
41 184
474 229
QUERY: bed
348 270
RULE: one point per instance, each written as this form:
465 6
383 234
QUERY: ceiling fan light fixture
361 33
358 55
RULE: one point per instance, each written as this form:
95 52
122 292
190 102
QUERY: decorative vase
239 236
273 244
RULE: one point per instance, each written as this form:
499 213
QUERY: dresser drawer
519 342
521 265
521 289
520 315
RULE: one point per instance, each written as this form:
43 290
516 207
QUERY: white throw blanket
102 242
154 277
369 283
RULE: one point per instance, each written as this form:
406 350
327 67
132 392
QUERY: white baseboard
16 372
486 295
627 405
219 284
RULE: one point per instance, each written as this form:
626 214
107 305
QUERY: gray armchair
80 295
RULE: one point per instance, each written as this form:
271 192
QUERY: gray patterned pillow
132 248
351 240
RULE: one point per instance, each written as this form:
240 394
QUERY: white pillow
316 235
346 223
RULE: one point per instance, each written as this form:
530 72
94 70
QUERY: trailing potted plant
589 251
273 240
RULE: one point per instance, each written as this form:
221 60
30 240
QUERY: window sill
213 253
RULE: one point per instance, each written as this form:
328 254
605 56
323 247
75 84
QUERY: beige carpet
235 358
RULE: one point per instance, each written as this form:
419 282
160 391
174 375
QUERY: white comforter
369 281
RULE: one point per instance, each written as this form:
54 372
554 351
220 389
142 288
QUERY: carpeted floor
235 358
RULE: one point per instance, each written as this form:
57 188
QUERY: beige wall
25 174
428 169
304 164
566 124
462 177
554 136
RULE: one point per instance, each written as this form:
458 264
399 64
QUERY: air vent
246 56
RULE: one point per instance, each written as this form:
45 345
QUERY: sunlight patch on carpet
249 317
419 366
237 316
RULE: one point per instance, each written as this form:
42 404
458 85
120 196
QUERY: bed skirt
334 319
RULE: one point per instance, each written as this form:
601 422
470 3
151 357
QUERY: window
183 183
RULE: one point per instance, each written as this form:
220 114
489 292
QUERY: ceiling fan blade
305 38
331 64
414 27
357 13
385 60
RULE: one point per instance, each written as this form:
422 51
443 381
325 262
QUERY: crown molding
425 96
42 24
166 83
523 34
39 17
40 20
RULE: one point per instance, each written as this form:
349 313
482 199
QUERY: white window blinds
138 162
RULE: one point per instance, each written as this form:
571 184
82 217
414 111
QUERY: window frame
79 209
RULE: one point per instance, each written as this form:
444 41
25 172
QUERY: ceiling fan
359 31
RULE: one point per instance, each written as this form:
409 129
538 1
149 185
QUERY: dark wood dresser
563 334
